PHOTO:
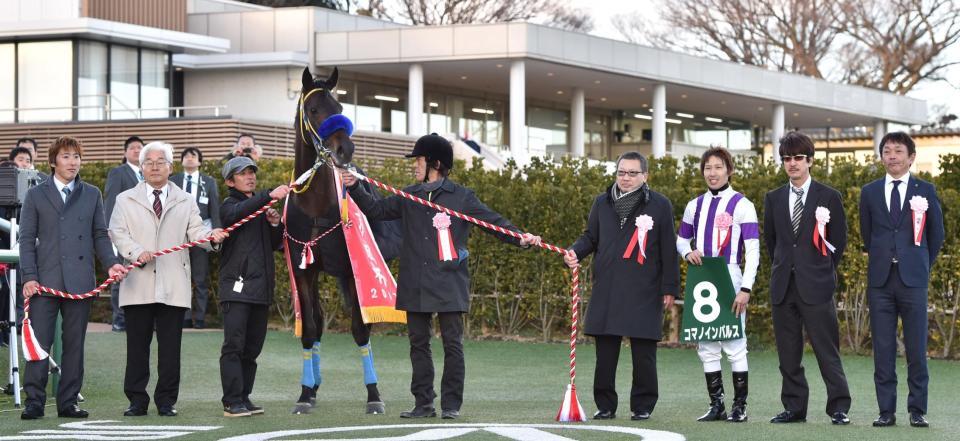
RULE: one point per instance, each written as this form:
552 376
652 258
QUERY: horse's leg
361 336
306 286
318 319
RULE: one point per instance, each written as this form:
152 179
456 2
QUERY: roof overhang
595 63
113 32
226 61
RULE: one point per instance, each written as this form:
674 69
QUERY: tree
556 13
884 44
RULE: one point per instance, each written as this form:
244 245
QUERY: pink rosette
441 221
724 220
919 203
644 222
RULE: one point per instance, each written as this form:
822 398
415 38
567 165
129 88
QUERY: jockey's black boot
738 413
717 411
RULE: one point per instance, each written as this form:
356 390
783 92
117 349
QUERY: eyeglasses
154 164
796 158
631 173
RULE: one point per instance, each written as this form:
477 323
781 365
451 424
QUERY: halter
324 154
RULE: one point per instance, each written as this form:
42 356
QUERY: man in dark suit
203 190
62 228
903 241
806 232
120 179
31 145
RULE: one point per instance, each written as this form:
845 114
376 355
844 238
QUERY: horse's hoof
301 408
376 408
313 402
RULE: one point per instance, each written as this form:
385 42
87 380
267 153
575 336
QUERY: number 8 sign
709 295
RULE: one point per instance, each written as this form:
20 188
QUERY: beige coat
135 228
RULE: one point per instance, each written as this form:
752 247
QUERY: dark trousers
244 330
419 328
43 317
643 390
910 304
118 321
199 273
141 322
790 319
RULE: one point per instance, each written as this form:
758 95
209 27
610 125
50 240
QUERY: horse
312 211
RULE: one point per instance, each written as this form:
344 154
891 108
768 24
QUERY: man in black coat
901 224
427 283
203 190
246 282
120 179
62 229
803 279
636 275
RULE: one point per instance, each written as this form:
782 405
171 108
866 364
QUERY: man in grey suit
120 179
62 227
203 190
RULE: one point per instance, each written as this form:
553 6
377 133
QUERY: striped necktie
797 209
157 207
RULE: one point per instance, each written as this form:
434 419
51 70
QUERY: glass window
381 108
91 80
437 120
124 89
155 87
6 83
346 95
45 74
547 130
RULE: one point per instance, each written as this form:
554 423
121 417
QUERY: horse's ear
332 79
307 80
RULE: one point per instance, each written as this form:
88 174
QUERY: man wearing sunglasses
805 232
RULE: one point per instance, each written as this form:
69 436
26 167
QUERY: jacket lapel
784 218
810 206
50 191
913 188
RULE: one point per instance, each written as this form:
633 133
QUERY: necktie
190 184
157 208
66 194
797 209
895 203
140 175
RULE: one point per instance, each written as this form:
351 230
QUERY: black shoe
254 409
788 416
639 416
918 420
135 411
236 410
717 411
72 412
840 418
187 323
450 414
738 412
32 412
885 421
168 411
419 412
604 415
198 324
116 328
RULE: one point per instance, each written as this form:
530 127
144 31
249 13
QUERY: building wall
30 10
163 14
261 94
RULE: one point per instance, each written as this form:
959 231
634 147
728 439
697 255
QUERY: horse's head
318 106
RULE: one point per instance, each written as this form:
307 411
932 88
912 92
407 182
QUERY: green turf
507 382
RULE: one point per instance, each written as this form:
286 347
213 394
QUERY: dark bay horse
312 211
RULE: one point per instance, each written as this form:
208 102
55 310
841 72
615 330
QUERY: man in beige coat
153 216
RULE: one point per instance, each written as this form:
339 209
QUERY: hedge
524 293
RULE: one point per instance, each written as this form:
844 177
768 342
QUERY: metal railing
108 111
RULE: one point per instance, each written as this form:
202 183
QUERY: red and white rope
311 242
575 276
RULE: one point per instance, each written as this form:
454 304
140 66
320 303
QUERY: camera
247 150
14 183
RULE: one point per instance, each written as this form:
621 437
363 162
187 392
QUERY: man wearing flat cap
433 267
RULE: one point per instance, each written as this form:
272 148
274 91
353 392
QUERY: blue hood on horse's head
333 123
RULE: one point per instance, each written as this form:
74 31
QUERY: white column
879 129
777 128
415 100
577 115
659 121
518 110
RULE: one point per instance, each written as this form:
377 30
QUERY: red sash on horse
376 287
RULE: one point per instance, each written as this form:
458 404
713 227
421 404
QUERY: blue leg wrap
315 356
306 377
369 373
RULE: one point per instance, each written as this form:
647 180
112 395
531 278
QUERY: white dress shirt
60 187
163 195
793 196
902 189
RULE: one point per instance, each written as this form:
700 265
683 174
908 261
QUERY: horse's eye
313 110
